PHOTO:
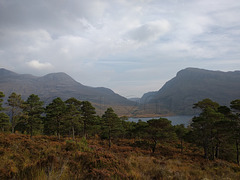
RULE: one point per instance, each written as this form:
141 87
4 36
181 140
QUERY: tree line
216 130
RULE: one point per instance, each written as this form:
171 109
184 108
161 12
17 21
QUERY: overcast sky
129 46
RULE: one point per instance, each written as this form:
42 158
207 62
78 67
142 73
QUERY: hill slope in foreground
45 157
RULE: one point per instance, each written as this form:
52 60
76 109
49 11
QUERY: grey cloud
150 31
119 39
56 16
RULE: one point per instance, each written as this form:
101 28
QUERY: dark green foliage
33 108
95 127
4 118
235 105
16 105
129 129
206 104
88 116
73 115
1 100
226 111
216 129
181 133
204 127
4 122
112 125
55 116
160 130
140 129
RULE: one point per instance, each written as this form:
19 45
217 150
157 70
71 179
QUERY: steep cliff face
192 85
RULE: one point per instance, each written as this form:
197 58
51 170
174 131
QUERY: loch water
180 119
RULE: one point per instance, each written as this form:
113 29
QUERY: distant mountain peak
5 72
57 74
192 85
58 77
191 70
60 85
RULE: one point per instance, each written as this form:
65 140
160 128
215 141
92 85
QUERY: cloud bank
38 65
131 47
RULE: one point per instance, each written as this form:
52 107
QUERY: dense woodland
215 132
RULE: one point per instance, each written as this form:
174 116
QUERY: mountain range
191 85
177 96
61 85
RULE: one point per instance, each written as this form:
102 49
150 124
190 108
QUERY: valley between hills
176 97
53 127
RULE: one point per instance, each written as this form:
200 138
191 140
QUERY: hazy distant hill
134 99
147 97
177 96
57 85
191 85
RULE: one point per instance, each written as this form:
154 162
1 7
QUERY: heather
47 157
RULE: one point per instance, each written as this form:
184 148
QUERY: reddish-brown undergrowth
44 157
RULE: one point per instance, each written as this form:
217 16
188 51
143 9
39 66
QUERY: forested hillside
67 140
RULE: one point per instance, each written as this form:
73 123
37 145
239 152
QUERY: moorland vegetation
67 140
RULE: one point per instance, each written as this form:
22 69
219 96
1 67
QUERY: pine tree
16 105
88 116
55 114
204 126
112 124
159 130
181 132
73 115
1 100
4 118
33 108
235 106
4 121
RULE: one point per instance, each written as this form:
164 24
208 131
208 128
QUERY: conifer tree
73 115
235 106
140 129
4 118
4 121
33 108
16 105
225 132
112 124
204 126
55 114
181 132
159 130
88 116
1 100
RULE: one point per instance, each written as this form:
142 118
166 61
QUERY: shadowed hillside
61 85
191 85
